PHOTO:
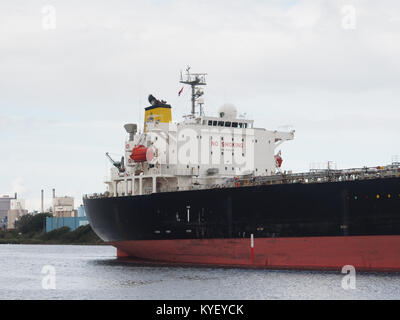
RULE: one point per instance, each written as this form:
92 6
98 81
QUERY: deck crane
118 164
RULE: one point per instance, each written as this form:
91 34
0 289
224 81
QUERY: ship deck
314 176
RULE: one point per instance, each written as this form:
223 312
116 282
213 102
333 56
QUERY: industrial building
64 214
63 207
73 223
58 221
5 205
17 210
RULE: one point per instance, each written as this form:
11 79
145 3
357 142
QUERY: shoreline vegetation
31 229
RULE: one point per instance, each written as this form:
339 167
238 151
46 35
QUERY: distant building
63 207
53 223
5 205
16 211
64 214
81 211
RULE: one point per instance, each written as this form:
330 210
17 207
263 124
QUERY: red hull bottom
372 253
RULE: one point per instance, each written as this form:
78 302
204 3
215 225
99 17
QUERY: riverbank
31 229
83 235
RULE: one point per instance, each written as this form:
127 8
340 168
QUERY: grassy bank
81 235
30 229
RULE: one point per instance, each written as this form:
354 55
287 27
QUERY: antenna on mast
195 80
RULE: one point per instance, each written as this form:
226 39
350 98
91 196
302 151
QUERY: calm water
91 272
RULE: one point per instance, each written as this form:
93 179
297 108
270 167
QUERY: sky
72 73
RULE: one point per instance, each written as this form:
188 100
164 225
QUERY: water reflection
92 272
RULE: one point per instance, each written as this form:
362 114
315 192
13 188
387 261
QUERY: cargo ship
210 190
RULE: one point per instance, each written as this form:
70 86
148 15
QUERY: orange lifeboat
139 153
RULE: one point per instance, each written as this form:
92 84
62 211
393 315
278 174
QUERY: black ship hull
313 225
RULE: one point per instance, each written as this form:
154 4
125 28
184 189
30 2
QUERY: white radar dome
228 111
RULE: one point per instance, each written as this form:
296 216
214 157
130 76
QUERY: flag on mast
180 91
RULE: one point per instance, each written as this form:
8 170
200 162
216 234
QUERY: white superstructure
198 153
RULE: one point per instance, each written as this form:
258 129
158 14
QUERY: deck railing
315 176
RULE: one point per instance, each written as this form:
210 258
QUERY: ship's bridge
227 118
227 123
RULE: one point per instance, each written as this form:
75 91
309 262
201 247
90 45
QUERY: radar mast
194 80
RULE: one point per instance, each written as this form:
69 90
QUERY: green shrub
55 234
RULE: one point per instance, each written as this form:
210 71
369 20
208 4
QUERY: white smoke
18 186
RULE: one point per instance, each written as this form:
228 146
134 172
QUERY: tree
31 223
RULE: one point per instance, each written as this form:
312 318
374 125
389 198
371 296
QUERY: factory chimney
42 199
54 193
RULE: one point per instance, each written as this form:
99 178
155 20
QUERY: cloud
66 93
